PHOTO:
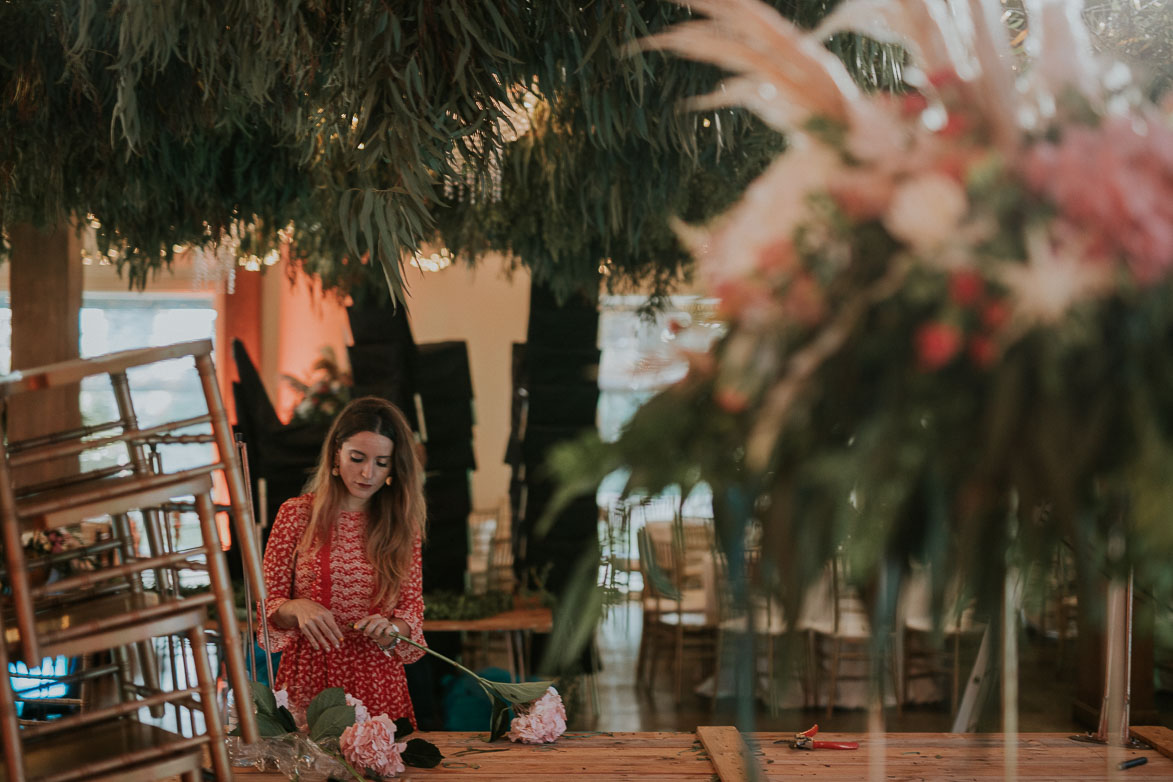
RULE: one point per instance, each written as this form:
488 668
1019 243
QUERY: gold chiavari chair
133 484
669 626
932 645
840 631
107 608
751 611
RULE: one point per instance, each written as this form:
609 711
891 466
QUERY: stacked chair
675 621
121 604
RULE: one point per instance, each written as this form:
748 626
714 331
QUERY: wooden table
537 620
716 753
515 624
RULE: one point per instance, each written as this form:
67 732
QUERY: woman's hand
379 628
314 621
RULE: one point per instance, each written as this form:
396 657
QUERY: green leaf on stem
499 724
331 722
263 698
421 754
285 717
403 727
268 726
516 692
327 698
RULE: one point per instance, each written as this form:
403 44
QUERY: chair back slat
654 572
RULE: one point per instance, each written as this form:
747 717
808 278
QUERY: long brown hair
397 512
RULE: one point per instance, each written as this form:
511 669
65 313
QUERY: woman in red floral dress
342 566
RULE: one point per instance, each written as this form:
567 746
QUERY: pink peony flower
541 722
360 710
371 744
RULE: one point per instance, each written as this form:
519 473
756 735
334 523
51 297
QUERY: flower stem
448 660
349 767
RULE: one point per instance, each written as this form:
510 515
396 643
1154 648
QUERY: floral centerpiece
337 737
950 311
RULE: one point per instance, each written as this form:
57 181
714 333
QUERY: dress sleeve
291 521
410 608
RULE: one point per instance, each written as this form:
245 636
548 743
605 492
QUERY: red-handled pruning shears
806 740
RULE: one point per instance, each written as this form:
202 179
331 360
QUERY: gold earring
335 472
388 481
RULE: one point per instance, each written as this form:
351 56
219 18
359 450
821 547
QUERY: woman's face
364 462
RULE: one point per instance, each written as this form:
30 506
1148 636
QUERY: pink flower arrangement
371 745
542 722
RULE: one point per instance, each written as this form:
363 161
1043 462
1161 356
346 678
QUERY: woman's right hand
314 621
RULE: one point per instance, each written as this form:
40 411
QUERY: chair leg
812 672
641 655
899 680
149 666
772 673
242 515
956 684
207 686
9 729
233 654
678 672
833 691
717 670
906 667
125 675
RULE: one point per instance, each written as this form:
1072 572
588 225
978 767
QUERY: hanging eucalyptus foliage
369 127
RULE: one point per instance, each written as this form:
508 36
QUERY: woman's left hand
379 628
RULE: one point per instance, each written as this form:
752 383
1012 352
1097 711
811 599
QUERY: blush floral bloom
542 722
361 714
1116 181
371 744
926 211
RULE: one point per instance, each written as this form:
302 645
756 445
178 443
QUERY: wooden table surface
953 756
668 757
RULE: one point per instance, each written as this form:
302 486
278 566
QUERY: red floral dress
340 578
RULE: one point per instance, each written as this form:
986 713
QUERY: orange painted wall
306 321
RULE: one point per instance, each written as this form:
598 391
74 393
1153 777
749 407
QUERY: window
640 355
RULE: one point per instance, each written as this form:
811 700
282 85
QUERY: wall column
45 296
